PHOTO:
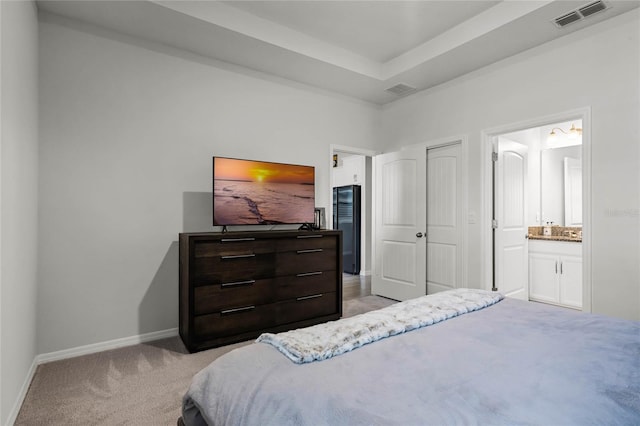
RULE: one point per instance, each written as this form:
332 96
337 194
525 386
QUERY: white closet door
444 218
399 224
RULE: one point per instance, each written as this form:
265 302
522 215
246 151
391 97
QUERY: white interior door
511 243
444 218
400 224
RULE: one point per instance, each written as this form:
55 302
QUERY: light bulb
573 132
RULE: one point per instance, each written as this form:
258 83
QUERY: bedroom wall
128 129
18 200
597 67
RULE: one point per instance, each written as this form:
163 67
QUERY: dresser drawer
231 246
305 242
306 307
217 297
232 267
234 321
306 261
293 286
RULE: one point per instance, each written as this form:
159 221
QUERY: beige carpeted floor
135 385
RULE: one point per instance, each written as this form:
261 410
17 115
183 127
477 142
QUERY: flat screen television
247 192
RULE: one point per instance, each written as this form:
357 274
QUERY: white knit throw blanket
333 338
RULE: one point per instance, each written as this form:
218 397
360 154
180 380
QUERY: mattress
514 362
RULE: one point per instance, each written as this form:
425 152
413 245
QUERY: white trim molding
105 346
352 150
13 414
333 148
79 351
367 230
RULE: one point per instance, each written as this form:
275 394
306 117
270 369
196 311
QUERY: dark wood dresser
236 285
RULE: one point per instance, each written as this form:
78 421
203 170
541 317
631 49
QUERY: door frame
367 229
486 231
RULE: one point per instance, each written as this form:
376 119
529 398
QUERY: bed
511 362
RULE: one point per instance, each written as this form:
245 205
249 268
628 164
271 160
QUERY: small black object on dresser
236 285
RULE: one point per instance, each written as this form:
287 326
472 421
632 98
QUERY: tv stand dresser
236 285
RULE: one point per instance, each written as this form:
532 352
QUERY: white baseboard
13 414
78 351
105 346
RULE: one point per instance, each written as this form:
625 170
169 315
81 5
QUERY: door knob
419 235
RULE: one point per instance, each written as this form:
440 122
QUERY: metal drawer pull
309 236
309 251
248 282
308 274
232 240
238 256
237 310
309 297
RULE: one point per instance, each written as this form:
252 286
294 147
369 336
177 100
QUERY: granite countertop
571 234
555 238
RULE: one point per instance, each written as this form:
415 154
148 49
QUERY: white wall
128 130
18 202
597 67
350 170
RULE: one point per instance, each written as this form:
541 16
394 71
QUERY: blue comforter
513 363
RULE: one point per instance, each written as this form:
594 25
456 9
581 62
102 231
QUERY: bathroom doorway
537 181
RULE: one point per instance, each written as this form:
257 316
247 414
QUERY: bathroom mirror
561 186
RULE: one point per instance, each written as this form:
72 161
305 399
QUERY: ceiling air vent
567 19
592 8
401 89
581 13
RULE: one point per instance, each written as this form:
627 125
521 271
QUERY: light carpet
136 385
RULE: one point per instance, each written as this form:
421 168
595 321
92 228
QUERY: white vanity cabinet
555 272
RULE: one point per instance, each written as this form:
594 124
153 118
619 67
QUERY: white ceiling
377 30
355 48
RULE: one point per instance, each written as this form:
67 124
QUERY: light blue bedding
513 363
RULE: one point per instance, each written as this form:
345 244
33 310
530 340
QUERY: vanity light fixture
573 133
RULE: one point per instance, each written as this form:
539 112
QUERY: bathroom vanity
555 272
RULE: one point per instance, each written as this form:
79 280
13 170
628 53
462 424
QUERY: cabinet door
543 280
571 281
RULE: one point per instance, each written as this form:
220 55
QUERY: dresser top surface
261 234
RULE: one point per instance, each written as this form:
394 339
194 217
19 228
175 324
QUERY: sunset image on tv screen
249 192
